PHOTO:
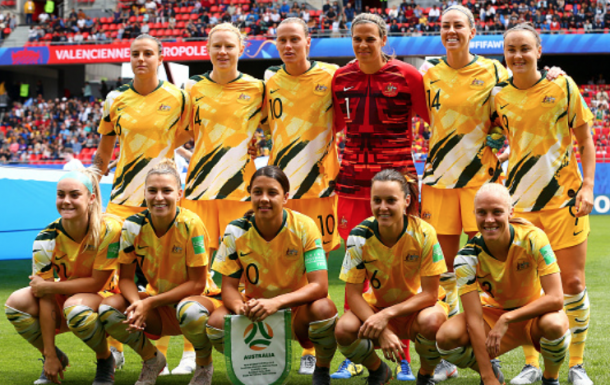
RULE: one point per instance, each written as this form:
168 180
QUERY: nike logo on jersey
348 88
198 99
141 247
121 108
244 254
502 107
435 81
576 233
326 243
273 91
369 261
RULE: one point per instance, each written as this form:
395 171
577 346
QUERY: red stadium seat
154 32
194 16
176 10
181 25
213 9
157 25
132 19
190 9
140 19
245 7
164 25
184 10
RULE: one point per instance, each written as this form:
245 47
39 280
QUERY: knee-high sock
85 324
162 344
322 336
309 351
578 309
115 344
462 357
359 351
193 318
449 284
531 356
554 353
26 325
112 319
428 353
216 337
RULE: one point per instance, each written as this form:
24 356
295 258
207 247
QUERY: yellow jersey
56 253
147 127
459 108
224 120
543 173
394 272
300 116
275 267
509 284
165 261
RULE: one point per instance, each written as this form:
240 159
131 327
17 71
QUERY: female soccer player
299 114
543 175
170 246
511 261
81 247
148 116
226 110
398 254
375 98
285 267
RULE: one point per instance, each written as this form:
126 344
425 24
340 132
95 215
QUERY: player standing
511 261
299 114
81 248
542 118
375 98
170 246
399 254
281 253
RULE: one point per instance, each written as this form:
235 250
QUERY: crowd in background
184 19
39 130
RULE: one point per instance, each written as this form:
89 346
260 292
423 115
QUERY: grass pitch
19 363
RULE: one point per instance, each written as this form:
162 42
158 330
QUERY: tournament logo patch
113 251
548 101
390 90
477 84
244 99
164 109
198 245
258 336
320 89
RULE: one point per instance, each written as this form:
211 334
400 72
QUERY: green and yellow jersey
55 253
459 107
509 284
224 120
147 127
300 116
165 260
543 173
394 272
276 267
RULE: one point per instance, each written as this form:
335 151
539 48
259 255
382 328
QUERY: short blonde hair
227 27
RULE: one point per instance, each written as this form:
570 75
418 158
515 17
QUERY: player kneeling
510 260
281 253
169 244
398 253
81 248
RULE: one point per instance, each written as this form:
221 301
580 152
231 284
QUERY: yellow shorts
209 212
323 211
561 226
518 333
449 210
402 326
123 211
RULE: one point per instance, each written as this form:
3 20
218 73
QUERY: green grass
19 363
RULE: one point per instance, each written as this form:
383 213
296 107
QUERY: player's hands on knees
373 327
136 315
53 369
391 346
262 308
494 338
584 201
38 286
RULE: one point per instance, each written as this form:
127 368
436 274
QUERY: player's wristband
315 260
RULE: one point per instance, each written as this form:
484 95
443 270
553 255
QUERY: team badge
244 99
477 84
411 258
548 101
164 108
426 215
176 249
523 264
390 90
320 89
292 252
343 222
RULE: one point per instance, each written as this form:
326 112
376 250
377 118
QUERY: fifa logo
258 336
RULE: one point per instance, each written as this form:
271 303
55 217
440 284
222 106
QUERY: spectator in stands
434 14
72 163
28 9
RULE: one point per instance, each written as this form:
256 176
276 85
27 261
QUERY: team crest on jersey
292 252
176 249
244 99
164 108
426 215
548 101
390 90
343 222
320 89
411 257
523 264
477 83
